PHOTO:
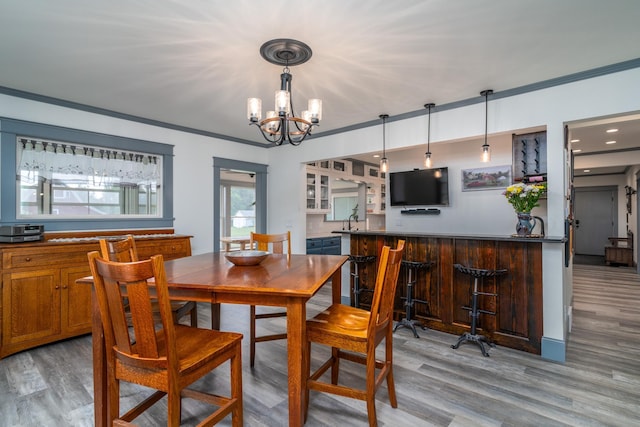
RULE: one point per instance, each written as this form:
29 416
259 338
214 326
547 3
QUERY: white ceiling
194 63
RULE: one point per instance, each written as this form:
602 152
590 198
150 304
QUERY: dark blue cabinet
324 245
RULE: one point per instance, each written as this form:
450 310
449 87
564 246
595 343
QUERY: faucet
354 215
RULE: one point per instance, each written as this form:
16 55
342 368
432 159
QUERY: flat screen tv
426 187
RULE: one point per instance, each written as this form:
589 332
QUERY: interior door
237 204
596 219
240 198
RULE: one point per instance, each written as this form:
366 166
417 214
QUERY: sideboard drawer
30 257
170 249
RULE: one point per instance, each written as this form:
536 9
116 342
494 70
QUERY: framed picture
486 178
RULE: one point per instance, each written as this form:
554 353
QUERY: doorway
240 201
596 219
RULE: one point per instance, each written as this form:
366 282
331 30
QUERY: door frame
261 193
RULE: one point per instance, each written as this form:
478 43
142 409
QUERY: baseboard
554 350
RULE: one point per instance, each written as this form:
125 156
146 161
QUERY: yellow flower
524 197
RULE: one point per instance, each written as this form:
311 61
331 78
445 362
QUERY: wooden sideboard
517 322
40 301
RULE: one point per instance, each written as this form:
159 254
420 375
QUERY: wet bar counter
517 322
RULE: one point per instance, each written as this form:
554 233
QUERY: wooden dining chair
354 334
274 243
125 251
168 358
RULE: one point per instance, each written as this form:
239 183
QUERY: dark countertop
535 238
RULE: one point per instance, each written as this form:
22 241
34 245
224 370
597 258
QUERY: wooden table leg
296 353
100 395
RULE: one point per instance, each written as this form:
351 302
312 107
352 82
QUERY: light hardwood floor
599 385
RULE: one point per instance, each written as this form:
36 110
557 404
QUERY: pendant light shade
384 162
486 150
427 155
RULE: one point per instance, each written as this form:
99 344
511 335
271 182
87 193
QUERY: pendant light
486 151
427 155
384 162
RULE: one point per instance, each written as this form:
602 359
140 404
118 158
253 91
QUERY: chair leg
335 365
113 390
371 390
173 406
236 388
194 315
252 335
388 355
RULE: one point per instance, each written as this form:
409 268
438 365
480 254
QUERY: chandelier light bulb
273 124
315 110
254 109
283 100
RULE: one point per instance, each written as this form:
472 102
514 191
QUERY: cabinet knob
27 259
57 286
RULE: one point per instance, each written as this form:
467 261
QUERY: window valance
47 158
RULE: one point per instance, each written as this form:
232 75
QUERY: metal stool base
410 324
474 338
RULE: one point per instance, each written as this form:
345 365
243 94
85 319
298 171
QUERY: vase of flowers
523 198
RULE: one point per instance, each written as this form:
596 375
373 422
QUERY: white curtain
49 157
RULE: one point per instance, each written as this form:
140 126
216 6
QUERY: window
72 180
69 200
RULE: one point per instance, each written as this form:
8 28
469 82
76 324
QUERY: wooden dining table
279 280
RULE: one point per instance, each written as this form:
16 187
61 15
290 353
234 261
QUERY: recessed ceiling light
587 170
575 140
610 142
577 151
612 130
376 155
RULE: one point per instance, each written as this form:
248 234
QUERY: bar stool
474 311
413 267
358 260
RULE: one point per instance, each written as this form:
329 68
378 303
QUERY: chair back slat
115 281
385 287
274 243
119 250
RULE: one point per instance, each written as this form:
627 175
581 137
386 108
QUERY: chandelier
281 124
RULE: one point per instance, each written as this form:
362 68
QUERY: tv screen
427 187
